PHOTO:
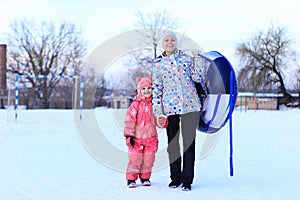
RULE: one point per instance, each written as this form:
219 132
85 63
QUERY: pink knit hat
142 82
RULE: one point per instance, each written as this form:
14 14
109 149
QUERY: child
141 135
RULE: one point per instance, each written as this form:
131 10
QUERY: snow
44 156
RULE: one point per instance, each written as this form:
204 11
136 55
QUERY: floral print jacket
174 91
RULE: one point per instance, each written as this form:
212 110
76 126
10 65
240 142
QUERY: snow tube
220 100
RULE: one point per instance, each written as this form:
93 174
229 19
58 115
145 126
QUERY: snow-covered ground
50 154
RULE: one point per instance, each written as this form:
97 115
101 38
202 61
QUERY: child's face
146 91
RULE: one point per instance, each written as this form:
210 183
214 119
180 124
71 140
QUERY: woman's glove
162 121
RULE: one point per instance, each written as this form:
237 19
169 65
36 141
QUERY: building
121 102
263 101
121 99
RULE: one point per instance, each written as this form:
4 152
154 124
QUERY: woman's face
169 44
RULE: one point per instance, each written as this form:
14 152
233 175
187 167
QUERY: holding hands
162 121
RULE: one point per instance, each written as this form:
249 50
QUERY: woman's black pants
189 122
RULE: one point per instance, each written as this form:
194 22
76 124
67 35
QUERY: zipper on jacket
180 85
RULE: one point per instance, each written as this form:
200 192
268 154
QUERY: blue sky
214 25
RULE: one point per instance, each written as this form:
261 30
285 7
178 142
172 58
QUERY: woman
175 99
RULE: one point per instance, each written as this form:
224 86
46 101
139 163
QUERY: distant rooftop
251 94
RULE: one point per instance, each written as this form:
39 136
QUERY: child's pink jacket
139 120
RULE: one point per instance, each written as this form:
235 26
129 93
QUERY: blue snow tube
222 93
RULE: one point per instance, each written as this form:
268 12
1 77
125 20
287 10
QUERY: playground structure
74 96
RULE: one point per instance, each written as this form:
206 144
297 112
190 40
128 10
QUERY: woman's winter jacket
174 91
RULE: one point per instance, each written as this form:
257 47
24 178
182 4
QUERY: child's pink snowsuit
140 123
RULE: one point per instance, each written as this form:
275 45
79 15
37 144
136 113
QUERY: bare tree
150 27
264 59
44 49
101 89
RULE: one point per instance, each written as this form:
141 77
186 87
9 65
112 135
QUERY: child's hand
131 140
162 121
